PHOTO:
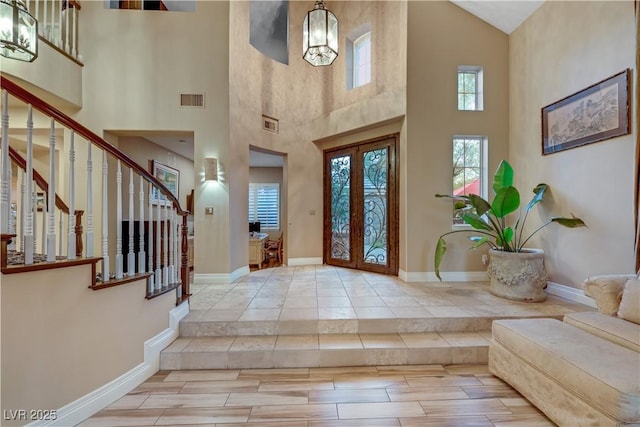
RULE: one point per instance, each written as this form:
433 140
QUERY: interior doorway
361 205
267 205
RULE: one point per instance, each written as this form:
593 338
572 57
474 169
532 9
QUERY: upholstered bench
575 377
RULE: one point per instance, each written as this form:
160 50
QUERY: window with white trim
264 205
469 170
358 58
470 88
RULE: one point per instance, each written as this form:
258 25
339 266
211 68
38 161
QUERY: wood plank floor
401 396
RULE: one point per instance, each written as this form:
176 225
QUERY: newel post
78 229
184 270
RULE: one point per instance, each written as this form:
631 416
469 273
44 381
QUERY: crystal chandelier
320 36
18 31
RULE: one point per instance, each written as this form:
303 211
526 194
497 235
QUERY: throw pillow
630 304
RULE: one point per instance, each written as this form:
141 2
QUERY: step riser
361 326
322 358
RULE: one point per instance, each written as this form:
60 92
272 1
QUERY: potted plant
515 272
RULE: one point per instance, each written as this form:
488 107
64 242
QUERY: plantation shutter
264 205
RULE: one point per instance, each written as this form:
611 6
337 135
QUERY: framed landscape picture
594 114
169 177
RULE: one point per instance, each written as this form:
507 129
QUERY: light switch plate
208 210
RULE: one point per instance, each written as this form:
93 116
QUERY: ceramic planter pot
518 276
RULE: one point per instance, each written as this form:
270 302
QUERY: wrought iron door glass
375 181
340 207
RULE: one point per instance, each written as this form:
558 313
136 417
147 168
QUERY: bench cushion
619 331
601 373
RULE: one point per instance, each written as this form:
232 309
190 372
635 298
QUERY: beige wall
563 48
441 37
61 340
137 65
306 100
142 151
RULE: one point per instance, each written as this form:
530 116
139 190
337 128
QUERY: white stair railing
158 248
58 23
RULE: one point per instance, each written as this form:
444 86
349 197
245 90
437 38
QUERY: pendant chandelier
320 36
18 31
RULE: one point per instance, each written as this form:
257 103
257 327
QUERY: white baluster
105 219
43 226
44 20
5 175
158 241
23 207
71 239
66 28
165 245
88 247
119 259
131 257
175 259
52 26
74 35
57 36
36 14
51 205
34 203
12 219
142 255
60 229
150 241
29 207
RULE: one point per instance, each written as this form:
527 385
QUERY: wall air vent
270 124
192 100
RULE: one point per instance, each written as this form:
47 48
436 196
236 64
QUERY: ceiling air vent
192 100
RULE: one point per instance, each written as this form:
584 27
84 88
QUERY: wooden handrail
60 117
40 181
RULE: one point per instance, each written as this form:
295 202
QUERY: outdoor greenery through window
469 170
264 205
470 82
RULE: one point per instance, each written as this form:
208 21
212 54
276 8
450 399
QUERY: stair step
192 327
325 350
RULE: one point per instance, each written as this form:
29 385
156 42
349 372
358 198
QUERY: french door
361 206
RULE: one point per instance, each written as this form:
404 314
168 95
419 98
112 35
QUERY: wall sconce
210 169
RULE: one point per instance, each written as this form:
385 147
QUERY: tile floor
330 293
367 396
407 396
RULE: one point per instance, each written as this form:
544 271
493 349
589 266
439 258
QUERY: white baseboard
242 271
293 262
220 278
447 276
569 293
211 279
89 404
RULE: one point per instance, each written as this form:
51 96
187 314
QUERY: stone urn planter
518 276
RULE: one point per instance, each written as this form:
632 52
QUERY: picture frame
40 202
169 177
597 113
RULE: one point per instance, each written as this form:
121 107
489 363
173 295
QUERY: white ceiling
505 15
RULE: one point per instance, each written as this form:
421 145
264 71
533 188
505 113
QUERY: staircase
330 317
39 231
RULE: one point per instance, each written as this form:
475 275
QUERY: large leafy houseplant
489 220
